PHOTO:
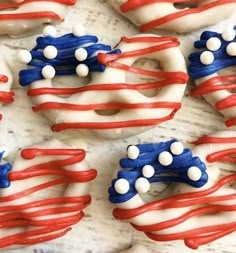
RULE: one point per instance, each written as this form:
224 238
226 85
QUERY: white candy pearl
165 158
133 152
81 54
24 56
148 171
48 72
194 173
82 70
5 150
177 148
231 49
207 58
213 44
49 30
228 34
121 186
50 52
142 185
79 30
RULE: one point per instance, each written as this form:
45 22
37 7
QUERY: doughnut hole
107 112
134 78
189 4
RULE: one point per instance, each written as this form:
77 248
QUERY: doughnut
109 105
6 81
135 249
195 201
43 193
23 17
174 15
211 69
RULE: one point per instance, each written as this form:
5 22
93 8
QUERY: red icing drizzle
42 227
5 96
134 4
164 79
219 83
201 202
32 15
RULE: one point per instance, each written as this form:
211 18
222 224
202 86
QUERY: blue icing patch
65 62
180 167
4 170
222 59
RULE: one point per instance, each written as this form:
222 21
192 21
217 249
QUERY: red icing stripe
219 83
164 79
3 79
202 202
32 15
134 4
194 237
44 229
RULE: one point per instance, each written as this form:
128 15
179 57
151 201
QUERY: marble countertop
99 232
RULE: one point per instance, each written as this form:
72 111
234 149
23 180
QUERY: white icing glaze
188 23
24 27
162 215
172 93
75 189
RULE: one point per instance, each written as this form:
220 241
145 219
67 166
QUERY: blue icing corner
221 58
65 62
4 170
182 168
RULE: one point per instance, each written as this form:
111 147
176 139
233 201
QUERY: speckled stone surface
99 232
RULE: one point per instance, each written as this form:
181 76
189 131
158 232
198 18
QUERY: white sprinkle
50 52
81 54
49 30
24 56
142 185
228 34
79 30
82 70
165 158
133 152
177 148
148 171
194 173
121 186
207 57
231 49
48 72
213 44
5 151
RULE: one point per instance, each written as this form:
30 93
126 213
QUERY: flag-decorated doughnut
174 15
109 105
212 69
197 203
42 193
19 18
6 81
